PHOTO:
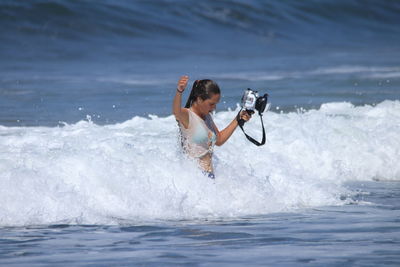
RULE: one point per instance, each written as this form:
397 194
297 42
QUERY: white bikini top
200 136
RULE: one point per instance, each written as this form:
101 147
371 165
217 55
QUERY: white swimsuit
200 136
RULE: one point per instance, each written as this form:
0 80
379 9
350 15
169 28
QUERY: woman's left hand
246 116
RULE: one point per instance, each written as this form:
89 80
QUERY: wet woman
199 134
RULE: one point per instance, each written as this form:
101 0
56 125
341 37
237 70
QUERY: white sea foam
86 173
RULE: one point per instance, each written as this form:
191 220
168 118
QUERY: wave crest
86 173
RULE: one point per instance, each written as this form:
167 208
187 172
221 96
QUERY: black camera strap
241 122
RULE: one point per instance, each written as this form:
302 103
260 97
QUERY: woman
198 132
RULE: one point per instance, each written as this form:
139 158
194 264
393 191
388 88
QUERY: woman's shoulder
186 111
185 118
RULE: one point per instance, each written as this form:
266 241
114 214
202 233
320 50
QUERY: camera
251 101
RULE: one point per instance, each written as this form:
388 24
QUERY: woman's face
208 105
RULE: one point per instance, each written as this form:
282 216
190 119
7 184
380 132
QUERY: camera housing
251 101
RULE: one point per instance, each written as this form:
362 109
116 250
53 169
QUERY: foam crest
86 173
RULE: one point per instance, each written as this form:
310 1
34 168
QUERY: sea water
91 171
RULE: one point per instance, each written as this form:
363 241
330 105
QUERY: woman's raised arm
181 114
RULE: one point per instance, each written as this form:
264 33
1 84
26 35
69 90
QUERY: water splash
87 173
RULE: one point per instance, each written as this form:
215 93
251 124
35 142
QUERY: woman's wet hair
204 89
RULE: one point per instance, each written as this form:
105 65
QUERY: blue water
62 60
351 235
90 166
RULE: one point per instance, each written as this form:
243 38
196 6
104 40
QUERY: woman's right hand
182 83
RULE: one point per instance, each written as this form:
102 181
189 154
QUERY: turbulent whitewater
86 173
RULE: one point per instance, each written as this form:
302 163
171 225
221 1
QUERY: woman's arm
225 134
181 114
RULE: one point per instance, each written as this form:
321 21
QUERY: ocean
91 170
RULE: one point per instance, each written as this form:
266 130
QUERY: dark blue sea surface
91 171
63 60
